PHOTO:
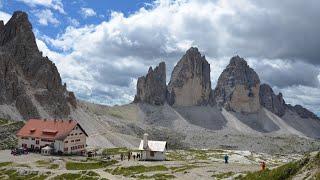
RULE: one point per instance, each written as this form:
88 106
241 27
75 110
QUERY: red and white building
64 136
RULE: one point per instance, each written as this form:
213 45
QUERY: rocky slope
30 83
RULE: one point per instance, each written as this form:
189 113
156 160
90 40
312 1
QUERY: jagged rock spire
152 88
238 87
190 82
271 101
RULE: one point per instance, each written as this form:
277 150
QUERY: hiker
134 157
226 158
263 166
121 157
129 154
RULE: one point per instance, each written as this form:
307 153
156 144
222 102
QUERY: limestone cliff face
190 82
271 101
27 79
152 88
238 87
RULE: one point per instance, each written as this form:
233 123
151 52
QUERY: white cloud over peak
110 56
52 4
87 12
46 17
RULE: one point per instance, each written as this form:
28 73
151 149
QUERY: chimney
145 141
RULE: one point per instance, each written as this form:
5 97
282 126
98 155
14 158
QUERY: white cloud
73 22
4 16
87 12
46 17
115 52
53 4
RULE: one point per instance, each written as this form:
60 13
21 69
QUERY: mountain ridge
188 114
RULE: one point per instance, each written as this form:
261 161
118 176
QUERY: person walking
121 157
226 159
263 166
129 154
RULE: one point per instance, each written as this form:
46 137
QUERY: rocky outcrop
302 112
276 104
152 88
271 101
238 87
190 82
26 76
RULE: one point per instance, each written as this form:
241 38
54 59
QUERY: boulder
271 101
190 82
238 87
152 88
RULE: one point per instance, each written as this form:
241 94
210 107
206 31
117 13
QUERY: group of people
130 155
262 164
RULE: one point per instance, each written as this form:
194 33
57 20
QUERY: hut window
152 153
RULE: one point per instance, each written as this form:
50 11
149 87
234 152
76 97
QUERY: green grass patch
14 175
132 170
89 165
83 175
115 151
157 176
183 168
53 166
286 171
223 175
3 121
22 165
42 163
194 154
2 164
67 176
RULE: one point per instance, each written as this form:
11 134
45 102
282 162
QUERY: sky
101 47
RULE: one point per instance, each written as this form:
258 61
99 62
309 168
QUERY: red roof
48 129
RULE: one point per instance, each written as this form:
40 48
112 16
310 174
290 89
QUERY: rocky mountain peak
152 88
237 61
31 82
238 87
190 82
19 28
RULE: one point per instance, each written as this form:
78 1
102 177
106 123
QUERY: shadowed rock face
152 88
190 82
26 77
272 102
302 112
238 87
